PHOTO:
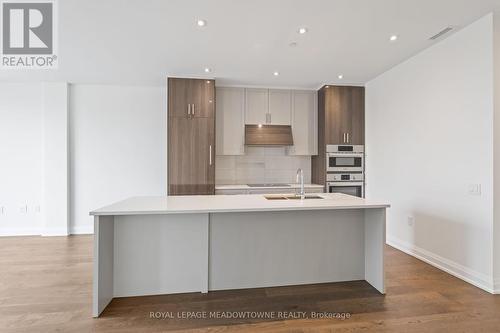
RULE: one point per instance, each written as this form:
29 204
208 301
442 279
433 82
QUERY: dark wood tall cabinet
191 136
341 120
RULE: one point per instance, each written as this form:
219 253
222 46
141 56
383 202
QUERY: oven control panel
344 177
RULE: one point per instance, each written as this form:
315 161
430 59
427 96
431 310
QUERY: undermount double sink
292 197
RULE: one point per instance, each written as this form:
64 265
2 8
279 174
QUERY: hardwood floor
46 286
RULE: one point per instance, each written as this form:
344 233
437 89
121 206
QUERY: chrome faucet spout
300 180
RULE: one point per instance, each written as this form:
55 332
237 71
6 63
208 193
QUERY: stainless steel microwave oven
344 158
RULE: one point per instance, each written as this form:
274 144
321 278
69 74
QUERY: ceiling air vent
441 33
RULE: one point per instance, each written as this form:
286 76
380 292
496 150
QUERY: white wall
429 136
117 146
55 180
496 258
117 149
21 158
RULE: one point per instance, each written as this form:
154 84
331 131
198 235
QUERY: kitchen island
178 244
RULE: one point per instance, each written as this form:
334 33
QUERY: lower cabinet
191 156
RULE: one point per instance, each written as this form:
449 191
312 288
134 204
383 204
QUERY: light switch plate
475 189
411 221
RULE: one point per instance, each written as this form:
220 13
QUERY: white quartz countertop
232 203
246 187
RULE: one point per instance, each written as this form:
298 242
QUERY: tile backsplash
261 165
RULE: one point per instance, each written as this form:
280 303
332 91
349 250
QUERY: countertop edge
239 210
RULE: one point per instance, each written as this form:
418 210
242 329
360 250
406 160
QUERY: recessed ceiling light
207 70
260 125
276 73
340 76
327 87
201 23
393 38
302 30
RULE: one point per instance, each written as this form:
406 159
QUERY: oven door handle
346 155
344 184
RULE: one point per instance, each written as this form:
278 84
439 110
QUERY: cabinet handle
189 110
344 138
347 137
210 155
193 109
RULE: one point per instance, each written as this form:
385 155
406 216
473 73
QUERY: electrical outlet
411 221
23 209
475 189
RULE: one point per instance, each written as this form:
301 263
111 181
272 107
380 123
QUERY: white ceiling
244 42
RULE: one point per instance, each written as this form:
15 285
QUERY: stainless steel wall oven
345 169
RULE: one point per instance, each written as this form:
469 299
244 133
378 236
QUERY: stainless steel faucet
300 178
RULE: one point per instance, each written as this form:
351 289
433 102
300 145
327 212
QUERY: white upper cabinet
304 123
268 106
236 107
280 107
230 124
256 106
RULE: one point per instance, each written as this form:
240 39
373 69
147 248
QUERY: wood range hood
268 135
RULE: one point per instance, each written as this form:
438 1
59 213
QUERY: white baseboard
73 230
82 229
497 286
475 278
19 232
54 232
